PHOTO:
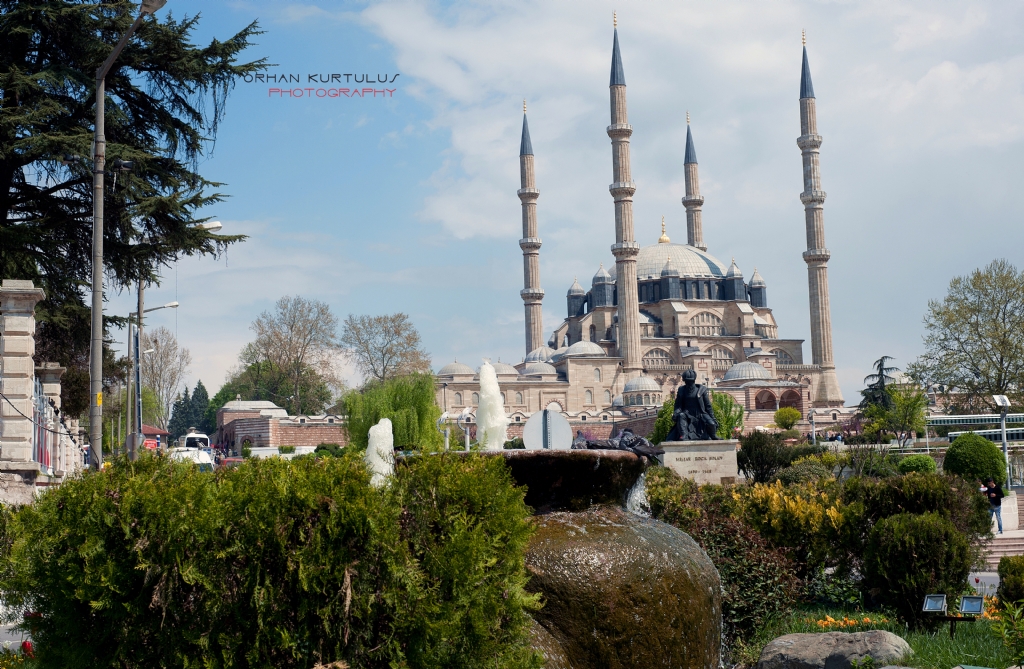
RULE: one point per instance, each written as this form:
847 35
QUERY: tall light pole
134 355
1003 402
99 158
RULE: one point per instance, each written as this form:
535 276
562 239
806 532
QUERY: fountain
380 453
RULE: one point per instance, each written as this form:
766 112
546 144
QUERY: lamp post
136 424
99 157
1003 402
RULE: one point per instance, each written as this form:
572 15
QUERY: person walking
994 492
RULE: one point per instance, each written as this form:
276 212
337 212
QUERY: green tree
973 342
875 385
164 100
663 423
408 401
181 415
787 417
728 413
199 403
904 415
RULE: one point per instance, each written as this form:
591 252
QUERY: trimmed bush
1011 579
922 464
975 458
804 471
275 564
761 456
758 581
909 556
787 417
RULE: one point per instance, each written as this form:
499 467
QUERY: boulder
832 650
623 592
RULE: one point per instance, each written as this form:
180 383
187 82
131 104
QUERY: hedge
275 564
975 458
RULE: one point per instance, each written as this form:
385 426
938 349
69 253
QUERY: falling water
636 498
380 453
491 420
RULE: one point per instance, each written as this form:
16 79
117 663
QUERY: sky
406 200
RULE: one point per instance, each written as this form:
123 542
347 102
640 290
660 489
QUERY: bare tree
164 369
300 336
383 347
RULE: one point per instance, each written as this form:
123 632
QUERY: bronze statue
693 416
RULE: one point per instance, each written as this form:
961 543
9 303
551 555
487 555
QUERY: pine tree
164 100
198 405
181 415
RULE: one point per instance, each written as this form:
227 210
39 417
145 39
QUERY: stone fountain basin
572 480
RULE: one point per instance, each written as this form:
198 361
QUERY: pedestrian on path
994 492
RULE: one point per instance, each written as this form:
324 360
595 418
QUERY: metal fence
48 434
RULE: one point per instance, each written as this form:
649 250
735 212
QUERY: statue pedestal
703 461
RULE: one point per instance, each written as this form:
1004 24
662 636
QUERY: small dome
584 349
648 319
746 371
454 368
502 369
559 354
669 269
539 368
618 401
640 384
734 271
540 354
756 281
575 289
602 276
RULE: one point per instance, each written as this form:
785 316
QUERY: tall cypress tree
164 100
200 402
181 415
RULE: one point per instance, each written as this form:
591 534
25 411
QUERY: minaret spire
625 248
532 293
693 200
826 391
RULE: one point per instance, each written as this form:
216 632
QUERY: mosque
664 309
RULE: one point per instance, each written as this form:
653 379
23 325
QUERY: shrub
975 458
275 563
515 443
285 450
923 464
761 456
332 450
804 471
408 401
1011 579
728 414
791 434
663 423
758 581
909 556
787 417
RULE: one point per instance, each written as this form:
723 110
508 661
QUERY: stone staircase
1010 543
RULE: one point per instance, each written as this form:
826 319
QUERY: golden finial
615 20
524 105
803 37
664 238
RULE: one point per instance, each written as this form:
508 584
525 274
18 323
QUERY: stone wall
266 431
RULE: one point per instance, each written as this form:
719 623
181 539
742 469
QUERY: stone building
39 446
264 424
658 310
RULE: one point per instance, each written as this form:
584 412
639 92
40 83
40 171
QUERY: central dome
689 261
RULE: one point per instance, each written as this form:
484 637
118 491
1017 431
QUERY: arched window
706 324
647 400
657 358
791 398
458 399
765 401
519 398
593 333
476 399
607 397
588 397
597 374
503 398
782 357
721 353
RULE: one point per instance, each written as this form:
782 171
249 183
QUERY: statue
693 416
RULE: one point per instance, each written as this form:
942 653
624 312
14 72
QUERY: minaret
826 392
532 294
625 248
693 200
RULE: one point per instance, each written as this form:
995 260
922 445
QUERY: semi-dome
618 401
746 371
559 354
539 368
540 354
503 368
640 384
582 349
689 261
454 368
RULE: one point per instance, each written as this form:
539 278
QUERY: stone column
17 346
49 374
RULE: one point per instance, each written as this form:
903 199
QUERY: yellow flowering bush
828 622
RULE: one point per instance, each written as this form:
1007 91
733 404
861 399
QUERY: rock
548 646
832 650
621 591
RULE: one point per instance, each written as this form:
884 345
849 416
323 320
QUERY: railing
47 433
721 365
662 364
796 369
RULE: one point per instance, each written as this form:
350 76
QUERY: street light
210 226
99 157
1003 402
137 377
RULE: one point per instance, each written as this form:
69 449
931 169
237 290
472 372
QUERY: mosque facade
663 309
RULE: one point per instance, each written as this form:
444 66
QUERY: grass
975 643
